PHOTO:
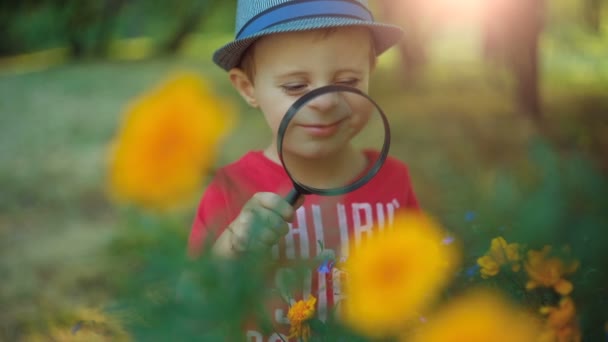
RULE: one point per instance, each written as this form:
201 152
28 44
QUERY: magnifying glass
331 141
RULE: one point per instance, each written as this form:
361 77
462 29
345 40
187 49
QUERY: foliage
88 28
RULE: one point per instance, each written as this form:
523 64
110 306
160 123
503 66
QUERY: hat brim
384 36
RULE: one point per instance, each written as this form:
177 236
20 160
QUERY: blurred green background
499 107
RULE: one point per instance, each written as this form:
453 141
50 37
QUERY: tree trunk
7 45
412 52
188 25
76 47
525 59
525 70
80 16
511 36
593 9
107 20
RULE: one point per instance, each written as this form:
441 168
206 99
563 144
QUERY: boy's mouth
321 129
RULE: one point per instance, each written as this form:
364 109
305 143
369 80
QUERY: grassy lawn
458 129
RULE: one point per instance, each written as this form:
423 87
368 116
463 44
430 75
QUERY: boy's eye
292 88
351 82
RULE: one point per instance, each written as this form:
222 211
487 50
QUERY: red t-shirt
331 221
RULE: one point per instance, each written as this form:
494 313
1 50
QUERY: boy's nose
326 102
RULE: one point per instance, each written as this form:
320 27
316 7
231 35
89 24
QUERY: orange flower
561 325
298 314
394 275
500 253
548 272
167 143
478 317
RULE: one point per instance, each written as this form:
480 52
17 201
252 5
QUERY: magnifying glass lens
333 140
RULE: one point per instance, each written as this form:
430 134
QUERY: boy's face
288 65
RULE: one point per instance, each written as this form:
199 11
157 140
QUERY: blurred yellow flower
548 272
394 275
298 314
167 143
90 325
500 253
478 316
561 324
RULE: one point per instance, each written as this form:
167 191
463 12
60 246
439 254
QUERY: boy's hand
261 223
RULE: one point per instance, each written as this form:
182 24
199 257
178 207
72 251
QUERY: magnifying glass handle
292 196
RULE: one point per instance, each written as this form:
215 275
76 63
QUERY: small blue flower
326 267
470 216
448 240
77 327
472 271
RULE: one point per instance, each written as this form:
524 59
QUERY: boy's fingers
258 225
262 221
268 226
273 202
238 241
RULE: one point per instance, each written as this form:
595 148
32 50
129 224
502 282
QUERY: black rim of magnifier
293 110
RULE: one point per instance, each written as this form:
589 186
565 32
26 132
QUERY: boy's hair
247 63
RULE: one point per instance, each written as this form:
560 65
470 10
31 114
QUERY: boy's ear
242 83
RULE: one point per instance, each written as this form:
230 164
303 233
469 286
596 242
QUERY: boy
282 50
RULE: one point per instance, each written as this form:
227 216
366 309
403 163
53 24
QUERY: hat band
299 9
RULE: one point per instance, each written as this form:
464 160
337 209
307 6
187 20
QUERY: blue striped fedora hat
257 18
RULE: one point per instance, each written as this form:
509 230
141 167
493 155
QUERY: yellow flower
500 253
488 266
561 325
479 316
298 314
395 275
167 143
548 272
